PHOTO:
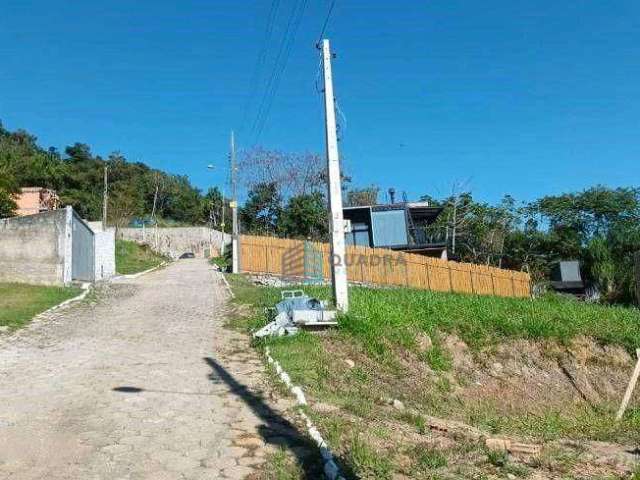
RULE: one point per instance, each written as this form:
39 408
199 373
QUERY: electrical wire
255 76
326 21
279 67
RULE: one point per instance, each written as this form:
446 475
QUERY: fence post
266 258
450 279
513 286
493 283
473 290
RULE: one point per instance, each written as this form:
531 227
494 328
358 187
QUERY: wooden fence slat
384 267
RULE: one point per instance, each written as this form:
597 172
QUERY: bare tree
293 173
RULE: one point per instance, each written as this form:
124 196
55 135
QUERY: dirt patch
560 398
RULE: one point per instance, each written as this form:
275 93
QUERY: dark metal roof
418 210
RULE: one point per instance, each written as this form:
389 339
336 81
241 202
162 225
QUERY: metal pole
234 209
338 259
105 197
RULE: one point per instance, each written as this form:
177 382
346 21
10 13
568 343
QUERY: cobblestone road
142 382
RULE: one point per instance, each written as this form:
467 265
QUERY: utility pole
105 197
222 224
234 210
338 258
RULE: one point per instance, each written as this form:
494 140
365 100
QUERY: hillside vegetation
547 371
77 175
133 258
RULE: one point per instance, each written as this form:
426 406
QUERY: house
397 226
32 200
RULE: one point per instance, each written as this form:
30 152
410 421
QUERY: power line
255 76
326 21
279 67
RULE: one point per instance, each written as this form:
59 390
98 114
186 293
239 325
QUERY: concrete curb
331 470
139 274
224 279
86 287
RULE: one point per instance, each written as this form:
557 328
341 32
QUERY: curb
139 274
224 279
86 287
331 470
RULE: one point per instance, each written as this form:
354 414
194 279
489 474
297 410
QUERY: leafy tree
213 205
262 210
135 189
305 216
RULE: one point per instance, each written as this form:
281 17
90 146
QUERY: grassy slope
134 258
20 302
382 322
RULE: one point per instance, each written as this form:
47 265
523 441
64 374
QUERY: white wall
105 251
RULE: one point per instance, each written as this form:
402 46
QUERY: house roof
418 210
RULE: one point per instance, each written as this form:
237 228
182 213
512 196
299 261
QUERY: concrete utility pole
234 210
105 197
338 259
222 224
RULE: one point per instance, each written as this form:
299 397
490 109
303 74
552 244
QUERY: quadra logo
368 260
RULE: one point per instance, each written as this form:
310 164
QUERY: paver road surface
142 382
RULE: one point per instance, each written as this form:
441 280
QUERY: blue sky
519 97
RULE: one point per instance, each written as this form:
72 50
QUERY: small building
396 226
566 278
32 200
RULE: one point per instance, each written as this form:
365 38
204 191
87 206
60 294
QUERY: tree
261 212
135 189
305 216
359 197
292 173
213 205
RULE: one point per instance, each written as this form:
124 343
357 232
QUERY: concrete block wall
174 242
36 248
55 248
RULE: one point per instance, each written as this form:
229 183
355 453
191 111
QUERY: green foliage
305 216
19 303
133 258
357 197
429 458
78 178
598 226
497 458
365 461
261 212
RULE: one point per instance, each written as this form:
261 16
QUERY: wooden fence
286 257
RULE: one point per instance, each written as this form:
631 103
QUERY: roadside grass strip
331 470
21 303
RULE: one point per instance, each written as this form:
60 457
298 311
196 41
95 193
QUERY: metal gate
82 251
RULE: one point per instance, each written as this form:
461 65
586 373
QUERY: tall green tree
306 217
262 210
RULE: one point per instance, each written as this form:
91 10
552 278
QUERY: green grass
380 317
280 466
381 333
133 258
19 303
